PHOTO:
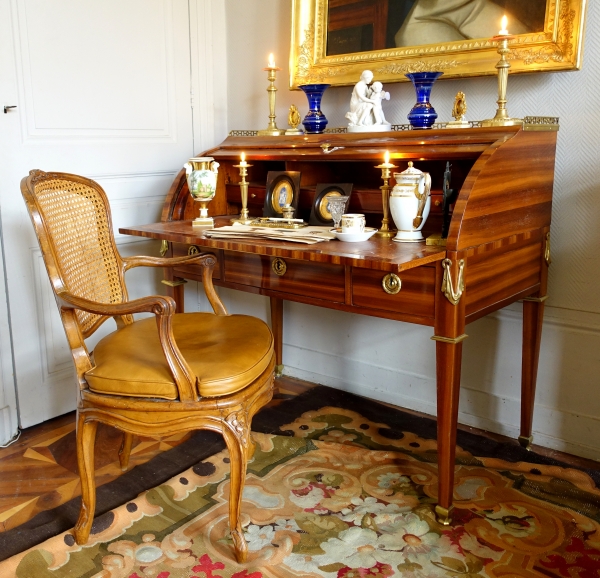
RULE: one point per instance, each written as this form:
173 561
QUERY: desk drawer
180 249
256 195
416 296
321 281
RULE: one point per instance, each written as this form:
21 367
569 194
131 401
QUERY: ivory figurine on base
366 113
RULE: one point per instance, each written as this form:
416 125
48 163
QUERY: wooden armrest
206 260
163 308
157 304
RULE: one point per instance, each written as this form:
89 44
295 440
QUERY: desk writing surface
376 253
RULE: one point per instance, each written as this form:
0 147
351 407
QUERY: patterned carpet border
204 444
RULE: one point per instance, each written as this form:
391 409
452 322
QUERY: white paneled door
101 89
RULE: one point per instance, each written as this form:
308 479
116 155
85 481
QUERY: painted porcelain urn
201 173
410 202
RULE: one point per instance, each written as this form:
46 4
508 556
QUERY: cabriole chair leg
86 439
237 455
125 450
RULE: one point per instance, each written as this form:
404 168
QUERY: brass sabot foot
526 442
444 515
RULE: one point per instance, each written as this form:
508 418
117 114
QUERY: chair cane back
156 376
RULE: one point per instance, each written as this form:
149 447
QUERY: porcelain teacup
353 223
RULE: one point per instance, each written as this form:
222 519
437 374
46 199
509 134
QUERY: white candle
504 31
387 157
271 61
243 162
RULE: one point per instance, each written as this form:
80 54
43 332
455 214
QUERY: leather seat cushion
225 352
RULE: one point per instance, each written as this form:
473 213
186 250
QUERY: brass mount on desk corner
448 287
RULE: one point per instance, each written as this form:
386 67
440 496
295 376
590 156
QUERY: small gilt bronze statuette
458 112
294 120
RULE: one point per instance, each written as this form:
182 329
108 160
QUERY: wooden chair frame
230 415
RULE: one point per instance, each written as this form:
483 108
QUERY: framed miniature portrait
283 188
319 213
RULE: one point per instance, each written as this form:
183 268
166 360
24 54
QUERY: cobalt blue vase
314 121
423 115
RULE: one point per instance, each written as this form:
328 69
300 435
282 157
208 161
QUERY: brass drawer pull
279 266
193 250
391 284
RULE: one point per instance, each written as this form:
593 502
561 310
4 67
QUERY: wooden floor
39 471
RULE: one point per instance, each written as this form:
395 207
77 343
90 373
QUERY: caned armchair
156 376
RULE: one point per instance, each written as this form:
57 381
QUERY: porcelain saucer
354 237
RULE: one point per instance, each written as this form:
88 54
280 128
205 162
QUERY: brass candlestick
502 118
272 129
386 168
244 216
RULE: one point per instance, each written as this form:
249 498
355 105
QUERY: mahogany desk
497 250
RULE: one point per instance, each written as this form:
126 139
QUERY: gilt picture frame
557 47
283 188
319 213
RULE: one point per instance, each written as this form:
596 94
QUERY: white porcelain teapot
410 202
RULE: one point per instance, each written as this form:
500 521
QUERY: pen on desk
286 220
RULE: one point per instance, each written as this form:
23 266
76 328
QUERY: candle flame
271 61
387 157
504 24
243 157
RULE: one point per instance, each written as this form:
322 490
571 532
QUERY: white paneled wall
123 93
394 362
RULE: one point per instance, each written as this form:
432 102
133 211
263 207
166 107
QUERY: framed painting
319 213
283 188
333 41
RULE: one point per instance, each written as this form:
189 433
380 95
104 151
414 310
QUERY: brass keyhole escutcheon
193 250
279 266
391 284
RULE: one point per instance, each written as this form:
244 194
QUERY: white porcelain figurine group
366 113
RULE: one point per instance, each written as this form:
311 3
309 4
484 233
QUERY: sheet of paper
306 235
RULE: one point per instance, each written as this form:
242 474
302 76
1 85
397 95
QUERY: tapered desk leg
449 334
533 316
277 328
448 359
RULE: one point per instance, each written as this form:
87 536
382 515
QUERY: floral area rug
342 499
